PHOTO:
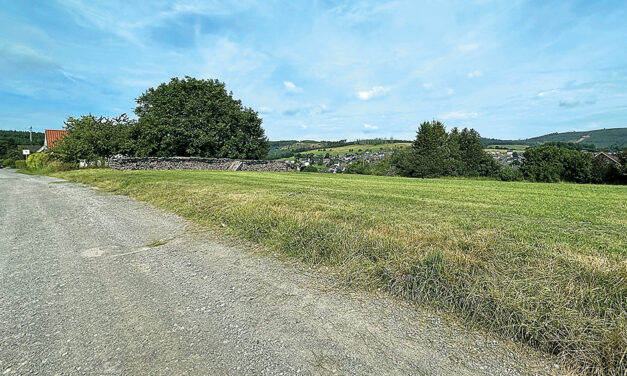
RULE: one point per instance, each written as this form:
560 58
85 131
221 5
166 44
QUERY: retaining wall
194 163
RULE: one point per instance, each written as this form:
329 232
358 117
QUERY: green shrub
510 174
9 162
37 161
550 164
309 169
361 168
20 164
43 163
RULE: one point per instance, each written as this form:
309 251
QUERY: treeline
436 153
612 139
21 137
553 163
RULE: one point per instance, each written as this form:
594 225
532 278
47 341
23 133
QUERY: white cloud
303 126
265 110
459 115
547 93
291 87
468 47
450 91
427 85
375 92
372 127
476 73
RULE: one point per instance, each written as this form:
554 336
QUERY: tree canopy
90 137
191 117
435 153
552 163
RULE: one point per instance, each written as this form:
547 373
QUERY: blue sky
326 69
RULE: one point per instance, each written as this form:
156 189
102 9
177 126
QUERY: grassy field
543 263
355 148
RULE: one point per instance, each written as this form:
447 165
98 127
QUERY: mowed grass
340 150
543 263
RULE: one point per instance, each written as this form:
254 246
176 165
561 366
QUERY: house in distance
51 138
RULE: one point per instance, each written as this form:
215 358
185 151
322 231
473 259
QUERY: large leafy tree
550 163
90 137
191 117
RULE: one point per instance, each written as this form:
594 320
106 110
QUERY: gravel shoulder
93 283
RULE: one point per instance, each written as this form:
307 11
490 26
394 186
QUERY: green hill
21 137
613 138
10 140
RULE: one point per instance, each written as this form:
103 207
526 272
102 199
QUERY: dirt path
82 292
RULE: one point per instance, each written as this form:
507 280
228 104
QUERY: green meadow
545 264
357 149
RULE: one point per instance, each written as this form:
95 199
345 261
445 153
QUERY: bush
37 161
550 164
361 168
309 169
9 162
510 174
20 164
44 163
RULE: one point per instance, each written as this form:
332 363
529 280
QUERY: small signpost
25 152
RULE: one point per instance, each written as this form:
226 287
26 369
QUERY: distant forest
610 139
21 137
9 141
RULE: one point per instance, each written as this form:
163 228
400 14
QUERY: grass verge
542 263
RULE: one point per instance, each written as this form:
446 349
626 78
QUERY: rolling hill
601 138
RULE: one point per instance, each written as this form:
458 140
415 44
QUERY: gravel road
93 283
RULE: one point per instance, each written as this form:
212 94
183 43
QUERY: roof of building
53 136
32 148
608 156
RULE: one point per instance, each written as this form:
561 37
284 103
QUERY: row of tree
436 152
185 117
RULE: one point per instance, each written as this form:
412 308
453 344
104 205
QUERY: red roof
53 136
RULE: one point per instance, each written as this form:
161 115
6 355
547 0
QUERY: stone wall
193 163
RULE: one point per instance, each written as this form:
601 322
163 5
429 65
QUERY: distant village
338 163
511 158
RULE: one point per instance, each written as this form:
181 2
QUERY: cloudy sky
326 69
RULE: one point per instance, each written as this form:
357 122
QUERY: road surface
93 283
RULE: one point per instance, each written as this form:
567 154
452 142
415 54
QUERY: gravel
93 283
